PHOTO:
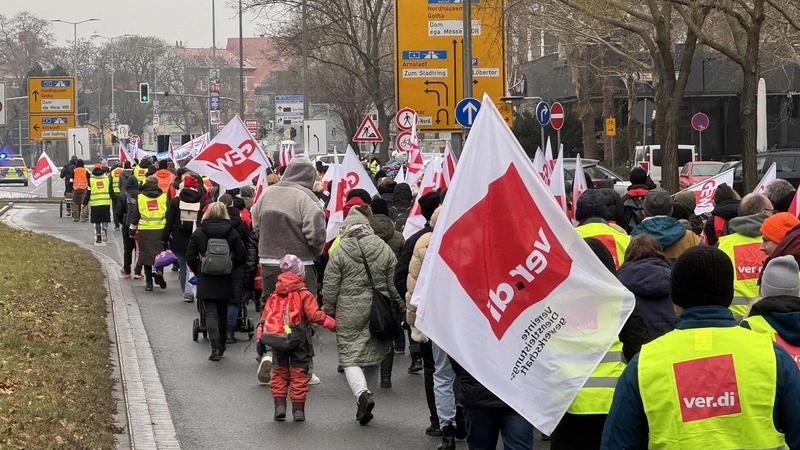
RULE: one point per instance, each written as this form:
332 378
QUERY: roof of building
265 53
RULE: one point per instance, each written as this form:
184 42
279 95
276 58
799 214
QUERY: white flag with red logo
355 174
578 184
448 166
43 170
557 181
704 191
336 203
794 207
261 184
401 175
508 288
232 159
416 221
770 176
123 155
538 162
415 165
549 163
286 153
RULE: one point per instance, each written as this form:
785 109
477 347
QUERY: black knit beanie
702 276
428 204
591 203
602 253
638 176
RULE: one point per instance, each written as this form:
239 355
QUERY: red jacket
303 307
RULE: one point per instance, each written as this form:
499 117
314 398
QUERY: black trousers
584 431
216 322
426 351
128 246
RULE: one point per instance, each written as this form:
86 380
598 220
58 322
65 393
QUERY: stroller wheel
195 329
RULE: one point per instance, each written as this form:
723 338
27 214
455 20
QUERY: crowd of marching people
727 281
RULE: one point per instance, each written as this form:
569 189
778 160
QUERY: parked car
695 172
601 177
787 163
13 170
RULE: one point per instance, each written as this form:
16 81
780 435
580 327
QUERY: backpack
280 327
188 212
634 211
217 259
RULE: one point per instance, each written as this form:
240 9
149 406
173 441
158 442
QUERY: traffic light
144 92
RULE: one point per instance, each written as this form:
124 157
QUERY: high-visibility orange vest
80 178
165 179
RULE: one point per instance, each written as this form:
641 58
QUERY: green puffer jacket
347 292
383 227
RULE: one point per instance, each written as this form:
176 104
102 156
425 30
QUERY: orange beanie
776 227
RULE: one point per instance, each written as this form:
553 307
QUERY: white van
649 158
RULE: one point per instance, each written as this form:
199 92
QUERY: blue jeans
182 270
233 315
444 379
100 226
485 424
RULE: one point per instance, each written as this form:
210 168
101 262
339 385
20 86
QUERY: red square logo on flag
152 205
707 387
748 260
504 254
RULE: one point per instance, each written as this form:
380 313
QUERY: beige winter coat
414 268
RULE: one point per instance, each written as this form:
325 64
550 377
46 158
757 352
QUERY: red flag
43 170
123 155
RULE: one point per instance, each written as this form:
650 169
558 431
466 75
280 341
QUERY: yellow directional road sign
51 127
428 59
51 95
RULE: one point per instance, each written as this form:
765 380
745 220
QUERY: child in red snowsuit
290 368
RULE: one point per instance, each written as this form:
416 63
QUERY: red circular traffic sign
404 118
403 141
556 116
700 121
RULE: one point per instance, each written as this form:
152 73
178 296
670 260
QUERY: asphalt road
221 405
18 191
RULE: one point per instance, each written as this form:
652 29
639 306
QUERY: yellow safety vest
597 393
152 212
759 324
115 178
615 241
709 388
99 191
140 173
747 258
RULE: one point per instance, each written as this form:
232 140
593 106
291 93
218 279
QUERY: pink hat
291 263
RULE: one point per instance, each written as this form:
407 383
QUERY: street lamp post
75 41
113 68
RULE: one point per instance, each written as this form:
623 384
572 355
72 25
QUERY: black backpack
634 211
217 258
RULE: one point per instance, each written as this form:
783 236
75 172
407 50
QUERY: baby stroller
199 325
244 324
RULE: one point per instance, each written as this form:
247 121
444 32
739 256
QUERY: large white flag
416 221
769 176
123 155
232 159
508 288
43 170
401 175
191 148
355 174
336 203
415 165
448 166
704 191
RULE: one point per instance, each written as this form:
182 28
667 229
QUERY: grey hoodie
289 218
749 226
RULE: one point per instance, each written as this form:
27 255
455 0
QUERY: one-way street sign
466 111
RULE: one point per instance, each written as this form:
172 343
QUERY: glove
132 232
329 323
417 336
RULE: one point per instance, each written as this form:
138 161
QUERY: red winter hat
190 182
355 201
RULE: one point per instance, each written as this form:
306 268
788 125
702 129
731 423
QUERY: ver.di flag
232 159
704 191
578 184
355 174
415 165
508 289
557 182
416 221
43 170
769 176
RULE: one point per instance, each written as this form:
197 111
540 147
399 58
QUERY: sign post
2 104
611 131
51 107
700 123
543 117
557 120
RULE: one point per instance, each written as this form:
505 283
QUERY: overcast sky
172 20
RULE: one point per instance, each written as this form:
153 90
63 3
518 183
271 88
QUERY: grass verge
55 386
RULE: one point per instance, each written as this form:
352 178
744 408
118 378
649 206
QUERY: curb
6 208
149 421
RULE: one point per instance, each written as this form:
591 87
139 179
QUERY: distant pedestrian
292 307
80 184
183 217
98 199
215 250
361 264
67 174
633 200
658 222
592 215
149 220
726 207
774 230
780 193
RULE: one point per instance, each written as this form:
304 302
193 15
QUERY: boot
215 356
231 337
461 427
299 411
386 370
416 363
148 287
448 438
364 406
433 429
280 409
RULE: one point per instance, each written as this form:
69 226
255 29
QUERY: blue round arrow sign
466 111
543 113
